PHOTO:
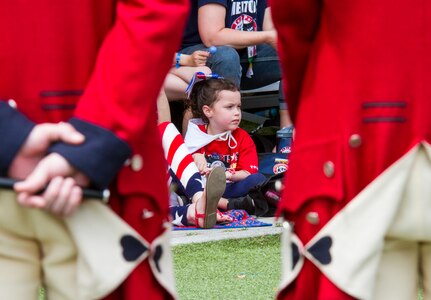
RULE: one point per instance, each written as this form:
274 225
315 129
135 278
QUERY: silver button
355 141
328 169
312 218
106 194
136 162
12 103
287 226
146 214
278 185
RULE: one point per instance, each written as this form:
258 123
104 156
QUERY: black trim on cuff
100 157
14 130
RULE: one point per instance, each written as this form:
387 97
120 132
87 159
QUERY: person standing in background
99 65
357 193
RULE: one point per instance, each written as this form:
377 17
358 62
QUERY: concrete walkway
180 237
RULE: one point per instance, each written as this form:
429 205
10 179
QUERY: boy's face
225 114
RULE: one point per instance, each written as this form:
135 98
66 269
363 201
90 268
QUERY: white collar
195 138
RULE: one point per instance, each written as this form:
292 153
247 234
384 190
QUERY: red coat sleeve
131 66
296 22
117 110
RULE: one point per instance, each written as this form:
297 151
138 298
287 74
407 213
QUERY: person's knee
204 69
226 55
258 178
226 62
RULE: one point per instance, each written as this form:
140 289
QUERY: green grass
230 269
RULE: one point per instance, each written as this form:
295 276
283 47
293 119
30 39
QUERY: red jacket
358 90
95 61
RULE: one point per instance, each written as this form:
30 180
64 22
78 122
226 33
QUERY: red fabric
311 285
140 283
173 146
242 157
177 142
116 53
340 58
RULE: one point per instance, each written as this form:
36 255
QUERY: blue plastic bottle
284 139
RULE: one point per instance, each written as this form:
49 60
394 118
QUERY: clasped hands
37 169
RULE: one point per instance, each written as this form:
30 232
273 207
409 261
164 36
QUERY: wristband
177 60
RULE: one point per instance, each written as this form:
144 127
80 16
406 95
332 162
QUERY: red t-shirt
242 157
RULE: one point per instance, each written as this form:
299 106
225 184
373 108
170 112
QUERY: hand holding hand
36 145
63 183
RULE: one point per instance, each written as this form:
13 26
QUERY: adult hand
198 58
37 143
63 184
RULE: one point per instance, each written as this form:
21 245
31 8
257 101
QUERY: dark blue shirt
246 15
